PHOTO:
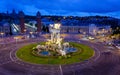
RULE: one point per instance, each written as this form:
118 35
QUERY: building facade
91 29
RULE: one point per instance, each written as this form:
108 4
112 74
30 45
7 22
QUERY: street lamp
16 39
25 33
36 34
25 30
2 35
103 30
84 34
31 34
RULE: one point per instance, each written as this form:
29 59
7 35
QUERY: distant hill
102 20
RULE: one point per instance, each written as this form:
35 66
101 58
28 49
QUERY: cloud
99 6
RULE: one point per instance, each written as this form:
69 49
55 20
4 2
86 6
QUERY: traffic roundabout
11 64
83 53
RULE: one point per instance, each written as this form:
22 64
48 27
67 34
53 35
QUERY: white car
118 47
91 38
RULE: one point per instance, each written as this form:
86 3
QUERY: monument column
22 26
38 21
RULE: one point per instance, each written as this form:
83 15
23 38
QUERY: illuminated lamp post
2 35
16 39
25 30
25 33
31 34
103 31
36 34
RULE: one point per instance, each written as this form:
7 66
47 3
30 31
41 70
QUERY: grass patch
84 52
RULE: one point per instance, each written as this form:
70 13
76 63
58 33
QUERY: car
118 47
91 38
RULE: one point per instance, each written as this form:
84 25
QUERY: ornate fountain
55 35
55 43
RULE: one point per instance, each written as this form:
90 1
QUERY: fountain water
55 34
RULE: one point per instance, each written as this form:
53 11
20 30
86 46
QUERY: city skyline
64 7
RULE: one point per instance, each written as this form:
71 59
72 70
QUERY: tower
38 15
14 16
14 13
22 26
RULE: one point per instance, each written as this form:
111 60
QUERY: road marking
5 62
61 70
11 55
98 54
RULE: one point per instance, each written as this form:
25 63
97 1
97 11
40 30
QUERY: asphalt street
106 61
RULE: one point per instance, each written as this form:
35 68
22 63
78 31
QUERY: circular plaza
52 55
11 64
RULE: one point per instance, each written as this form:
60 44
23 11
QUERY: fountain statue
55 42
55 34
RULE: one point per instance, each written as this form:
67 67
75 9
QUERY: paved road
106 61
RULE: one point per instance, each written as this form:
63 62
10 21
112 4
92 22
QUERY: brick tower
38 15
22 26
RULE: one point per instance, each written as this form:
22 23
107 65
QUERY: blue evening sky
64 7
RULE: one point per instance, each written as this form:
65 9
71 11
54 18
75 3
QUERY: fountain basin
45 53
68 50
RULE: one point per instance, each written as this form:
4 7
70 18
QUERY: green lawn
84 52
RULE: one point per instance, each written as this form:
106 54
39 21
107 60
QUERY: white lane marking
98 54
61 70
11 55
